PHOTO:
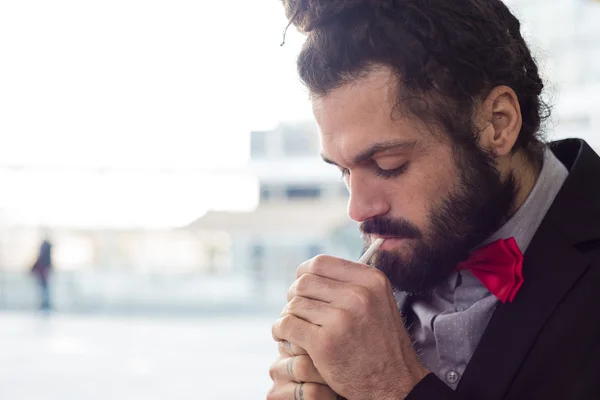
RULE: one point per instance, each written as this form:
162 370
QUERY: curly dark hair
447 56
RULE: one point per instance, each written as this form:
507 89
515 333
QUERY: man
488 283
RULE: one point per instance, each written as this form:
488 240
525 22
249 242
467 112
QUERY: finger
288 349
329 267
301 391
313 311
341 270
295 369
315 287
296 331
341 295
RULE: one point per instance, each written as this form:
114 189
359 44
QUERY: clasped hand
341 335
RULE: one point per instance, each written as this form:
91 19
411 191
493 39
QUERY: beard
477 206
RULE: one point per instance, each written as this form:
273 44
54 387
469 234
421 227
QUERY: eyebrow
377 148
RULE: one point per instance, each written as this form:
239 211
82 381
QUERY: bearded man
487 285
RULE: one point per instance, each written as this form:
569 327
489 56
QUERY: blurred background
165 156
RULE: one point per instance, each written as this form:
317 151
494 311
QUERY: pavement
100 357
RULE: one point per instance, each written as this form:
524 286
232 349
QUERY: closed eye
391 173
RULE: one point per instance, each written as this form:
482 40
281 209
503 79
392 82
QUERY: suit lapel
551 267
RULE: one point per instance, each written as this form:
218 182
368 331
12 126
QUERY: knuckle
380 281
303 283
282 328
302 267
294 304
343 320
318 263
273 369
284 310
302 368
361 299
286 322
272 395
276 330
291 291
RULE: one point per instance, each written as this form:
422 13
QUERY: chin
410 275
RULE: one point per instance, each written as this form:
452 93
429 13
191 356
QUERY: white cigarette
370 251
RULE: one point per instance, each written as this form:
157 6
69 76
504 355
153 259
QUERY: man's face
432 201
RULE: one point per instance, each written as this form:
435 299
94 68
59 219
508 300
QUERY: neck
526 173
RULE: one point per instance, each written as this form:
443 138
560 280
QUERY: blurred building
222 258
302 209
225 256
565 36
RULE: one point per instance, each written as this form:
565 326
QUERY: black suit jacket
546 344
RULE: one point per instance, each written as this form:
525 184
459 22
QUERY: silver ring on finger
299 392
290 367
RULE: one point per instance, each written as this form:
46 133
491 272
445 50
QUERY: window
265 193
258 144
300 141
303 192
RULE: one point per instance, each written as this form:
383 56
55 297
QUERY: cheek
409 201
415 195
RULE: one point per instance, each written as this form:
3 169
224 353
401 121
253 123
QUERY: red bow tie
499 266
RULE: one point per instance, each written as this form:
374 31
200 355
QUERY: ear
499 120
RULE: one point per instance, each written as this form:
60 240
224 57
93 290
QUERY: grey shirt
448 324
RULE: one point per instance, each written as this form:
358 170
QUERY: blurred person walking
41 270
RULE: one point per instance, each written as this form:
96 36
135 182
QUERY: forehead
360 113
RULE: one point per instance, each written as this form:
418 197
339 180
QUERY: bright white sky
141 84
132 83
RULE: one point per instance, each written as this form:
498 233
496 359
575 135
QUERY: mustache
390 227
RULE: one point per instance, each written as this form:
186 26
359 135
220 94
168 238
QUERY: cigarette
370 251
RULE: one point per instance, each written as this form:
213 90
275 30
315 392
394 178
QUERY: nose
366 199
